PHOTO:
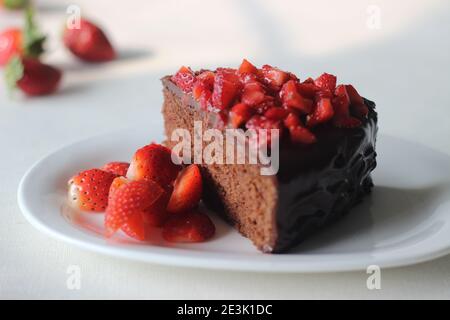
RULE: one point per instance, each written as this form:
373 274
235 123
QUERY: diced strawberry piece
307 89
248 78
253 94
247 67
259 123
291 120
341 102
276 113
129 199
184 79
357 105
326 82
89 189
204 82
239 114
226 87
274 76
116 167
291 98
188 228
187 190
300 134
154 162
323 112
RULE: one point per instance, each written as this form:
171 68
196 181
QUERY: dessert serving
321 136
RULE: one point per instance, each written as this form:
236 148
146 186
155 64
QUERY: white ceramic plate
406 220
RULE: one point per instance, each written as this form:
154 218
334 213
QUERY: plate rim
274 263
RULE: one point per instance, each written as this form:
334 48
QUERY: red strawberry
247 67
300 134
129 199
307 89
187 190
357 105
203 82
135 227
226 87
291 98
89 42
191 227
184 79
276 113
323 112
291 120
119 168
239 114
89 189
253 94
258 123
326 82
154 162
10 44
341 103
274 76
31 76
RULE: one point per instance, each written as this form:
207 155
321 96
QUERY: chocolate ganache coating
320 182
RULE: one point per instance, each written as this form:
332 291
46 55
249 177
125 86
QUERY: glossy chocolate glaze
316 183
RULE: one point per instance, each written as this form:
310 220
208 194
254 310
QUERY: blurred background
396 53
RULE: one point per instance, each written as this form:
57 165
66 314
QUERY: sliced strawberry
357 105
184 79
253 93
326 82
187 190
226 87
32 77
274 76
291 98
116 167
276 113
153 162
300 134
10 45
259 123
247 67
88 190
130 199
89 42
191 227
240 113
322 113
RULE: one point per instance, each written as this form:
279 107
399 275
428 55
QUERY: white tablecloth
397 53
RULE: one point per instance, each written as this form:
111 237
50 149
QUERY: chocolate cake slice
326 149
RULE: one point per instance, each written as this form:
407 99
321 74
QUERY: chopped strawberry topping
322 113
184 79
264 127
247 67
274 76
239 114
291 97
326 82
226 87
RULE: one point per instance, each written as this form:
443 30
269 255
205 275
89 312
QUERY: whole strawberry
89 42
32 77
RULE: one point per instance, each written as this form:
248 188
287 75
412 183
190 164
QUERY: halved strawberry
226 87
240 113
291 98
154 162
184 79
89 42
357 105
274 76
247 67
253 93
129 199
116 167
188 228
322 113
187 190
88 190
326 81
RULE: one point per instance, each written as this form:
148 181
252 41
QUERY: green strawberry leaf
33 39
15 4
13 72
